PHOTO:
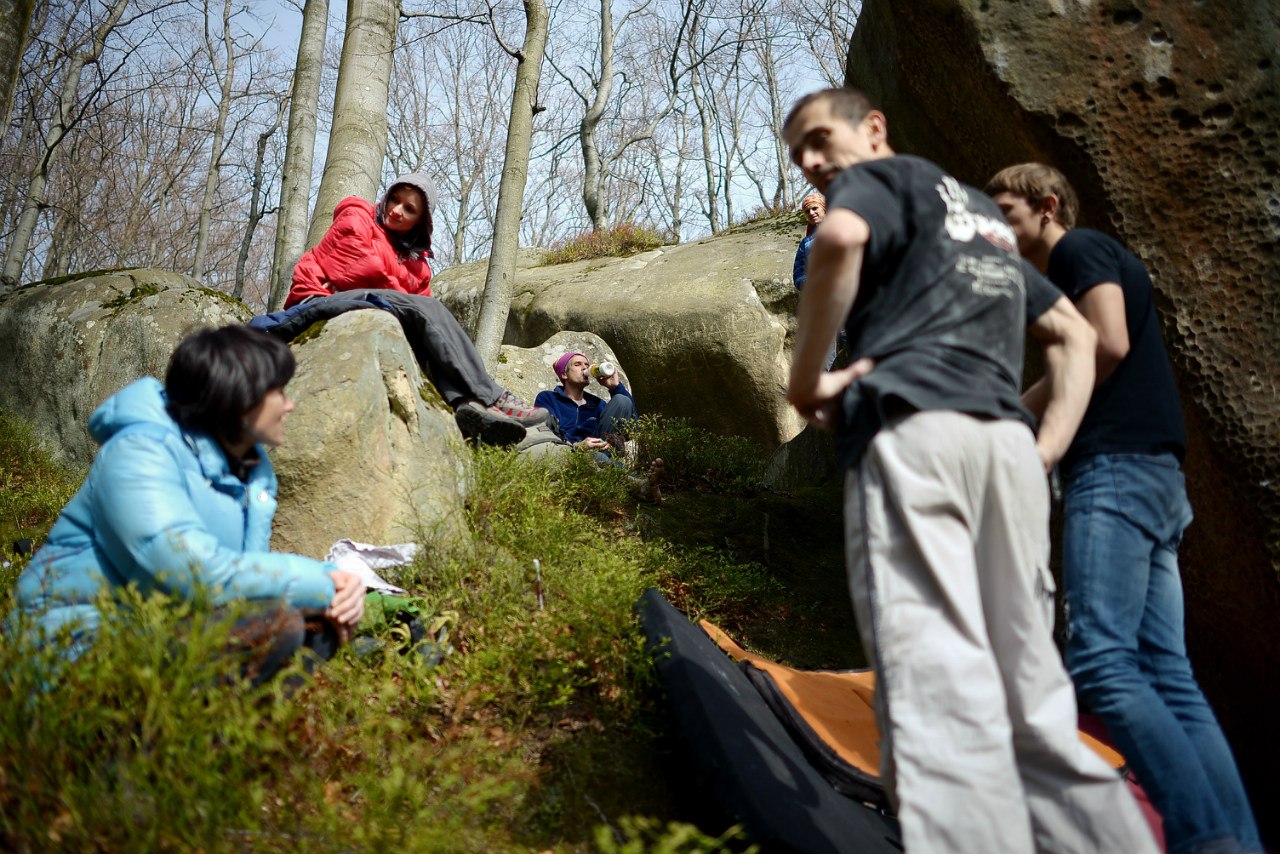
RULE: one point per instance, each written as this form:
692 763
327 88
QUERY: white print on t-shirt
962 223
991 276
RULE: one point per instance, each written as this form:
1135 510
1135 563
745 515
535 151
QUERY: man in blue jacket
586 420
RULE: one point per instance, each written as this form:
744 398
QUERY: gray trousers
441 346
946 522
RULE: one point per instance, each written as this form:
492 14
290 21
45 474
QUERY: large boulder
373 453
1166 118
68 345
704 328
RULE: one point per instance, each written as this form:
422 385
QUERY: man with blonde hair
946 501
1125 509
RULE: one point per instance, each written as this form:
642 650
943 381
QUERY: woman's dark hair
215 376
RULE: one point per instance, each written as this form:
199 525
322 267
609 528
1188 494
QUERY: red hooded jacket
356 253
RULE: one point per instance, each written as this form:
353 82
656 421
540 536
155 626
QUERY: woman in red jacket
384 249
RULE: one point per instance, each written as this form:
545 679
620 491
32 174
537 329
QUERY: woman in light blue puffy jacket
181 497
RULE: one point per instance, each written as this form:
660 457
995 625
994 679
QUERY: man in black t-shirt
1125 508
946 504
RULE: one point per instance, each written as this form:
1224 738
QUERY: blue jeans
1126 651
620 408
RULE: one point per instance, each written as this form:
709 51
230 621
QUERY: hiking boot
515 408
488 425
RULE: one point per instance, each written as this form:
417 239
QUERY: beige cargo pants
946 522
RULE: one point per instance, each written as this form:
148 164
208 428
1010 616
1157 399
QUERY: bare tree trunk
295 180
708 166
58 257
162 211
63 121
358 138
460 227
592 174
225 83
500 279
15 23
595 99
782 196
256 213
9 210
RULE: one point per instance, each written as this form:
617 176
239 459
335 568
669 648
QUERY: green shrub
582 647
148 742
694 457
640 835
616 242
33 490
543 726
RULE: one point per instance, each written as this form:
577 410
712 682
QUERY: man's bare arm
1103 306
835 263
1060 398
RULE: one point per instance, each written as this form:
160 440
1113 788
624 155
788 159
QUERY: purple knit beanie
563 362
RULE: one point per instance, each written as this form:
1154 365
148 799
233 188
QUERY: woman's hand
591 443
347 606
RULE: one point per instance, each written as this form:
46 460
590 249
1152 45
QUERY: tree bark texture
500 279
358 138
256 212
225 83
295 180
15 24
593 169
708 165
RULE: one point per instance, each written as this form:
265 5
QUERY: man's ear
1049 206
878 126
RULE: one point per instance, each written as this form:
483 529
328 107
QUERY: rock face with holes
1166 118
66 346
704 328
372 453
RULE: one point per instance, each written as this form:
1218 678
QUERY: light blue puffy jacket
161 509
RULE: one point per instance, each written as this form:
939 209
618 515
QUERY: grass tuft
616 242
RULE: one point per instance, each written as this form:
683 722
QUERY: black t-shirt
1136 409
941 301
1041 294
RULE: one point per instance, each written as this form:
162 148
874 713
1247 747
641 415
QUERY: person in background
814 206
180 499
586 420
1125 509
383 249
946 500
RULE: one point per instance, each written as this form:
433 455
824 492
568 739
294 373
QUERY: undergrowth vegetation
33 489
543 730
618 241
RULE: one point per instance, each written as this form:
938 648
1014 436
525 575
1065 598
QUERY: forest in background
155 132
